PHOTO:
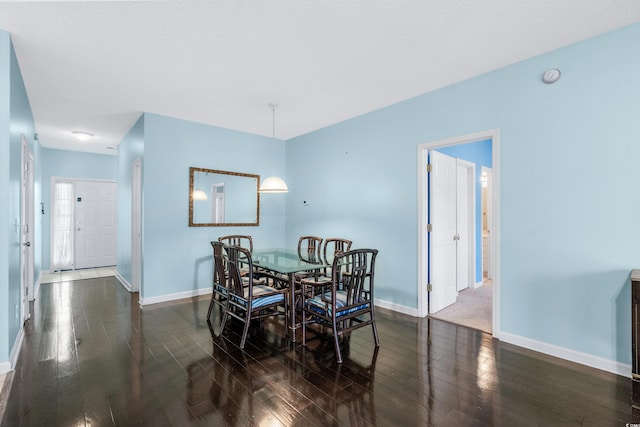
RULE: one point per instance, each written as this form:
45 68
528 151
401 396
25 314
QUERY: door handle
27 243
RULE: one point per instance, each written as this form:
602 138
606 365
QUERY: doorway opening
83 223
434 240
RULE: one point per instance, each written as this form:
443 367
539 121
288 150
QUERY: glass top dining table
287 262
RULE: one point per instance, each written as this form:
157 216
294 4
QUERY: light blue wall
177 258
479 153
569 211
5 231
16 119
130 149
69 164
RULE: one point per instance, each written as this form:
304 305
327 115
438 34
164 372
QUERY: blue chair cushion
259 301
220 289
321 307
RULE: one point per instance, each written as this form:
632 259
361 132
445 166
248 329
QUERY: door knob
27 243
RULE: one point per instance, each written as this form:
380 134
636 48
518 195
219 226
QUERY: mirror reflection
219 198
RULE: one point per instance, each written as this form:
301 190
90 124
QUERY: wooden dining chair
244 241
332 247
220 285
347 302
309 251
252 301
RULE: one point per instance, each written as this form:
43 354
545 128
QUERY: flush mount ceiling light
273 184
82 136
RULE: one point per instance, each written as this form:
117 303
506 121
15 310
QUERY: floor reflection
91 356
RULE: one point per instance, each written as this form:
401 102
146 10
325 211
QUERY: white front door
442 243
95 223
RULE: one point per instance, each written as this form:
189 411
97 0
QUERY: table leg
292 306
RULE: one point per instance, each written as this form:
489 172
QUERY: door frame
27 228
422 262
136 225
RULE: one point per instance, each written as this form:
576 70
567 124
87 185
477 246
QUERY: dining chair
309 251
241 240
346 303
244 241
309 248
252 301
220 289
332 247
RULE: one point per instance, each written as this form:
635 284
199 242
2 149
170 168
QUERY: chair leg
247 319
304 330
336 339
224 319
375 329
211 306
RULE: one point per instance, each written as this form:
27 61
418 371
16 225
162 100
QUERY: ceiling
95 66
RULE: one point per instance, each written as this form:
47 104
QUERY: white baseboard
411 311
477 285
173 297
568 354
123 281
5 367
36 286
15 350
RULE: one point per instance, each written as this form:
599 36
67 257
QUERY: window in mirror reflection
223 198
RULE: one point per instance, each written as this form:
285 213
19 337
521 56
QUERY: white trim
176 296
612 366
411 311
15 350
478 285
123 281
136 225
5 367
494 135
36 291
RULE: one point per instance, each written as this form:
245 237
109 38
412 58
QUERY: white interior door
136 226
465 224
27 229
442 243
95 223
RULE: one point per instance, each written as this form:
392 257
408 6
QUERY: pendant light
198 194
273 184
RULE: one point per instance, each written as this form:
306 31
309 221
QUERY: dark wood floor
92 357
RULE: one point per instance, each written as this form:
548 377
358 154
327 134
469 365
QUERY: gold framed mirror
222 198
